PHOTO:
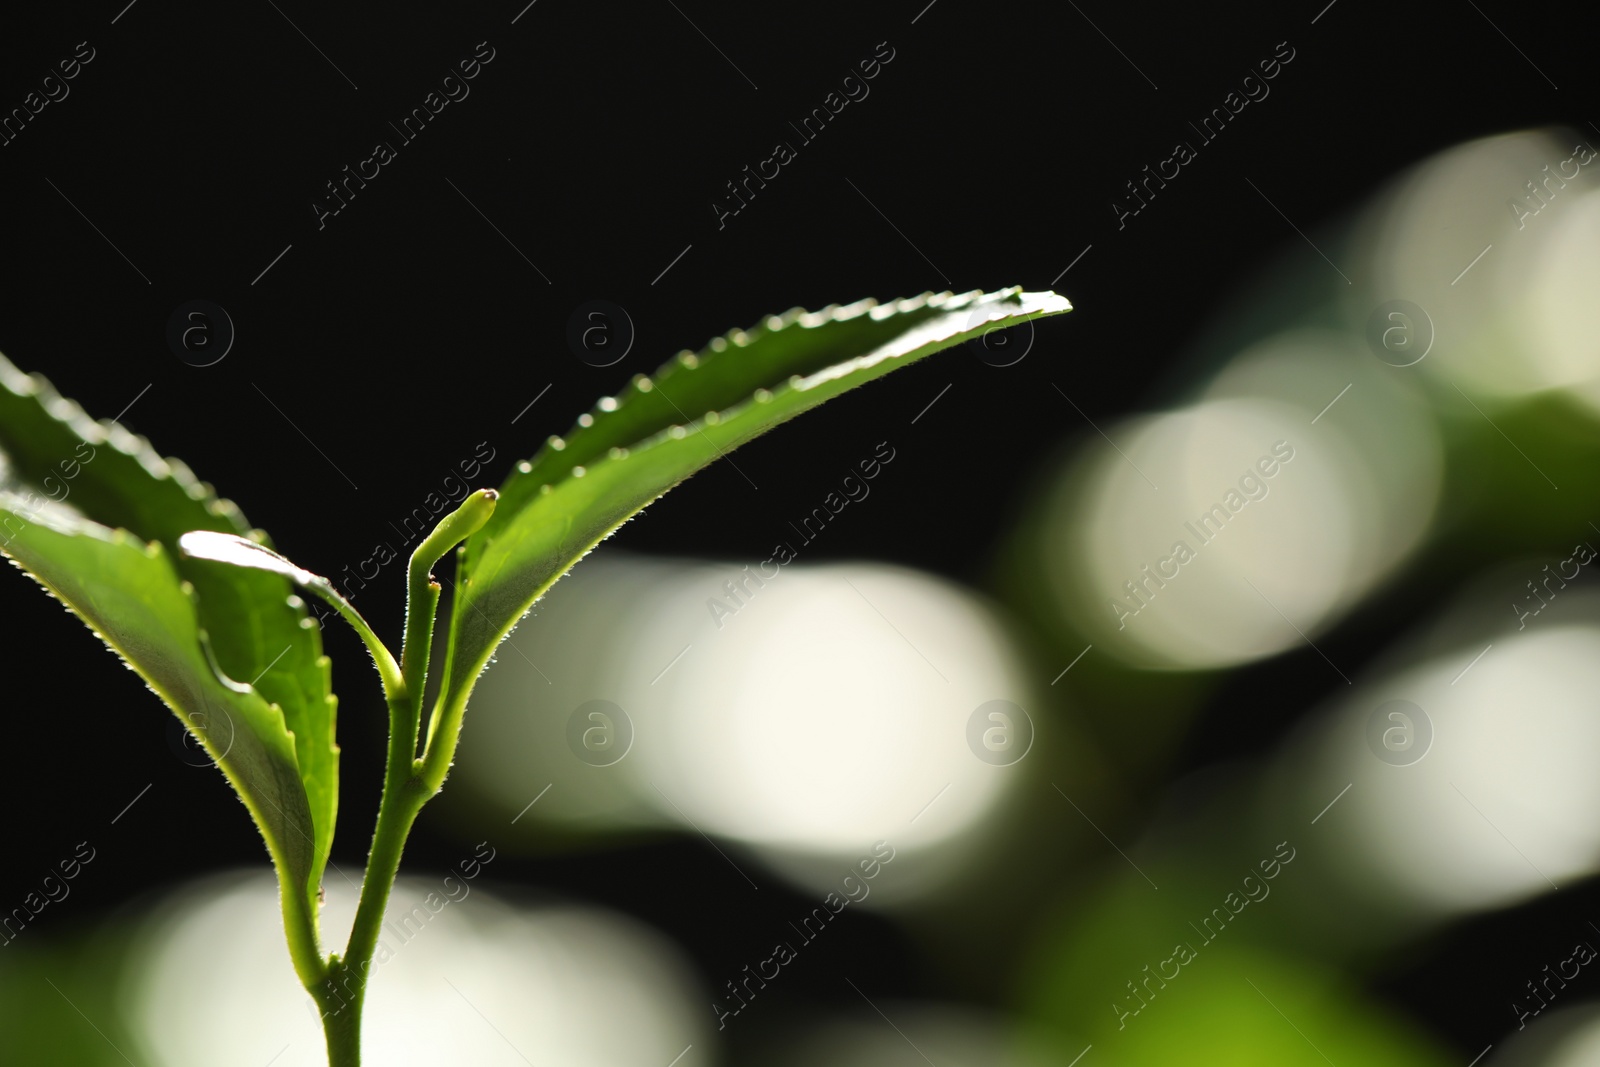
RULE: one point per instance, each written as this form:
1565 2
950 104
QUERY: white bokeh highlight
1505 806
478 981
1289 551
820 710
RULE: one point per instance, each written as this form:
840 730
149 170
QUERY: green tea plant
176 582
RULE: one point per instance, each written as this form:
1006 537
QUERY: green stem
343 1030
422 602
341 990
305 944
346 986
443 733
388 670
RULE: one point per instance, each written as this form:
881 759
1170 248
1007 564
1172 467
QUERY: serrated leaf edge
70 413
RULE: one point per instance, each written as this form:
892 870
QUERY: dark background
411 327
